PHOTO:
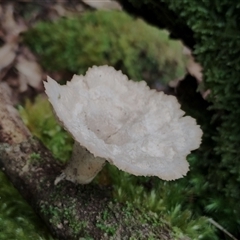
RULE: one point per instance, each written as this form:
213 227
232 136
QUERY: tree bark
70 211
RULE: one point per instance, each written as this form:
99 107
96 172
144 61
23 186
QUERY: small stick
217 225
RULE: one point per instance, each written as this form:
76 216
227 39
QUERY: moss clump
58 214
165 199
113 38
137 223
39 119
17 219
216 30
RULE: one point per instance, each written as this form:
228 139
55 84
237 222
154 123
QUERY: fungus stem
83 166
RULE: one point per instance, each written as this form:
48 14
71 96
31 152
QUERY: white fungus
141 131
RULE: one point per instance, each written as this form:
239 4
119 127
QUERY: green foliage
216 28
17 219
152 225
113 38
163 198
39 119
59 213
213 29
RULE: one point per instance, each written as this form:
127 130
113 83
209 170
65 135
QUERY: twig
217 225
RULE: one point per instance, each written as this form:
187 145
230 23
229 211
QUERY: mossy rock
107 37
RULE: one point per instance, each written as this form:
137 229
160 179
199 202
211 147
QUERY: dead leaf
62 11
193 67
13 81
26 52
105 5
11 28
174 83
30 73
8 22
7 55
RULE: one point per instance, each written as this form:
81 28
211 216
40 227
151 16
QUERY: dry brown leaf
103 4
26 52
193 67
7 55
30 73
8 22
62 11
11 28
13 81
59 9
174 83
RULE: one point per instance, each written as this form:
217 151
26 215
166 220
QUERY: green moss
39 119
113 38
35 157
216 31
109 229
212 29
136 222
60 214
165 199
17 219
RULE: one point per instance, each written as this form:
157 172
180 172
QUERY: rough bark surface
70 211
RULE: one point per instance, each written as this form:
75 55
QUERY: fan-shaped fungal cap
139 130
